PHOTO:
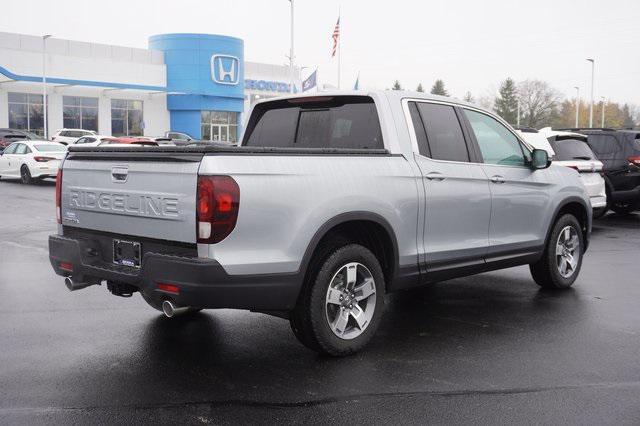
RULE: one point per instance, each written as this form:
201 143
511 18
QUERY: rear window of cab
348 122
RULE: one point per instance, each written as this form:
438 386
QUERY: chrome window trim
414 138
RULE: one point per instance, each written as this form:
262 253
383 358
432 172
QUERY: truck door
520 196
457 196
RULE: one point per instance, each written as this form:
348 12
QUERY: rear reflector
66 266
217 208
59 195
169 288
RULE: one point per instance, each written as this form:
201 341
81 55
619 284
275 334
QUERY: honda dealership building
194 83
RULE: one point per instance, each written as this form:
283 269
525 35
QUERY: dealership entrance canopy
193 83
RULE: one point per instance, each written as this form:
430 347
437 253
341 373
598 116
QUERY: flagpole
339 48
291 72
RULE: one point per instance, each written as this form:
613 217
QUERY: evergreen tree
506 104
628 119
396 85
468 97
438 88
420 88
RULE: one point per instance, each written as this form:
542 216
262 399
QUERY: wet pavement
492 348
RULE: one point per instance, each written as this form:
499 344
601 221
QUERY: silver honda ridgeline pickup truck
330 202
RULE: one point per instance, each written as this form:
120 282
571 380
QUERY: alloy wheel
567 251
350 300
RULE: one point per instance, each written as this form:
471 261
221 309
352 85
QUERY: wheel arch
367 228
578 208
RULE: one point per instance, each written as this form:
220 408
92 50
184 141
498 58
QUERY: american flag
335 36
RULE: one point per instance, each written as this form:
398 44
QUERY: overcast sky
471 44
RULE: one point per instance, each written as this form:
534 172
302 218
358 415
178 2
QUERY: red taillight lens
66 266
59 196
217 208
634 161
169 288
43 159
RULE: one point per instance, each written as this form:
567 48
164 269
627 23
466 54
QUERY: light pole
602 123
44 83
593 64
291 55
518 113
577 107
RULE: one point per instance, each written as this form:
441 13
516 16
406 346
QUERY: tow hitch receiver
121 289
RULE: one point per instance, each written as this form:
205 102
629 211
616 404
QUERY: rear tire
342 302
25 175
558 268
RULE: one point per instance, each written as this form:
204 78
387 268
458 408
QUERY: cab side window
444 135
497 144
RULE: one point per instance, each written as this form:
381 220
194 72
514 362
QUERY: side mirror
540 159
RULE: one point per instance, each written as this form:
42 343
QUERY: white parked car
70 136
571 150
29 160
92 140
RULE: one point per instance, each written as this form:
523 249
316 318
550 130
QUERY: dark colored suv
8 136
619 151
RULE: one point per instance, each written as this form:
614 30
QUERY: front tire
25 175
341 305
561 261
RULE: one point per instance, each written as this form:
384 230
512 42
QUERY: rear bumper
598 201
203 283
629 195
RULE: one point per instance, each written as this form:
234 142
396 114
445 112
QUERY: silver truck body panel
284 200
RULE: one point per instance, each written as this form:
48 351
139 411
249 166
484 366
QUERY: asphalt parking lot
492 348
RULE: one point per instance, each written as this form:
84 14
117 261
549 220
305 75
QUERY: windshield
50 148
572 149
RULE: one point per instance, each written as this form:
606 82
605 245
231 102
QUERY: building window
80 113
126 118
26 112
220 126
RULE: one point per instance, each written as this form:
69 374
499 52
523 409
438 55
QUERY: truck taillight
59 196
218 202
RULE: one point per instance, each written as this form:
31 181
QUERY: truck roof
396 94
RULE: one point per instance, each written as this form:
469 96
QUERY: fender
347 217
560 206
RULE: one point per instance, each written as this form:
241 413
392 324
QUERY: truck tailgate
132 193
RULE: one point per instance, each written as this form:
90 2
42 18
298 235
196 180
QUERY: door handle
497 179
435 176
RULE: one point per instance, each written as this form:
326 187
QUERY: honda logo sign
225 69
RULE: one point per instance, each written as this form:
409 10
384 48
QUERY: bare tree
538 102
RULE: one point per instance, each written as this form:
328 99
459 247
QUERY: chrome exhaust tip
171 310
73 285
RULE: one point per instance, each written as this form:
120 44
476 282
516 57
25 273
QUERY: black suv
7 136
619 151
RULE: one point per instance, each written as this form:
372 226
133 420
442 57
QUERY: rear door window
571 149
444 133
349 122
22 149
